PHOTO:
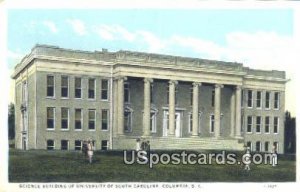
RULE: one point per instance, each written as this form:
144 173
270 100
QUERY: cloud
51 26
114 32
78 26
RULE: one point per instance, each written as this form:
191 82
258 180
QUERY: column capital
238 87
146 80
121 78
173 82
195 84
219 86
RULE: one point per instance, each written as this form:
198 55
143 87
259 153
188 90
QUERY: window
267 101
64 118
127 121
249 101
153 122
258 124
91 90
104 89
276 124
24 92
267 124
104 119
65 86
50 86
78 119
213 98
92 119
104 145
212 123
151 93
64 145
258 99
258 146
191 122
191 95
266 146
50 144
78 87
78 145
249 144
126 92
249 124
50 117
242 98
276 100
176 94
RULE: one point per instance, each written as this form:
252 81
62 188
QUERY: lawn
67 166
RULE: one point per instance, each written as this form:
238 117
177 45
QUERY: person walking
90 150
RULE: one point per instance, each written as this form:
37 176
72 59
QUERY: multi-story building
63 97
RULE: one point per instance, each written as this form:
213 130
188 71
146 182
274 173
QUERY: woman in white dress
90 150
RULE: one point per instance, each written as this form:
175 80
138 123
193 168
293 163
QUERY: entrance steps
173 143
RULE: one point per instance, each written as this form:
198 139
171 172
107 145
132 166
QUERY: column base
238 137
194 136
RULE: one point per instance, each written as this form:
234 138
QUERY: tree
289 133
11 121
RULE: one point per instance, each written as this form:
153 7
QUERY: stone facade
175 102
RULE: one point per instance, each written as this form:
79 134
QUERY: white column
232 114
115 106
218 109
195 108
121 105
238 111
172 85
147 84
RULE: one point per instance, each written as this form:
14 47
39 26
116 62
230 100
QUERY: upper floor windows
64 86
92 119
267 100
91 88
104 89
249 124
64 118
78 87
258 99
276 124
276 100
213 98
50 117
50 86
126 92
249 98
104 119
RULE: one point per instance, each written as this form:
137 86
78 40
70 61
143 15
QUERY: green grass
66 166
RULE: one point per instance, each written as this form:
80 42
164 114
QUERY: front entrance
177 124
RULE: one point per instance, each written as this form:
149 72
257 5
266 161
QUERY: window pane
104 84
91 114
50 113
92 84
64 113
64 81
77 82
50 80
78 114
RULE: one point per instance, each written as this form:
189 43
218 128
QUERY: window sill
91 129
106 100
50 97
50 129
77 129
64 98
105 130
65 129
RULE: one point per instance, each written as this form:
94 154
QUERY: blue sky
258 38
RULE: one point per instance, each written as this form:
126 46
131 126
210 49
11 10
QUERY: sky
258 38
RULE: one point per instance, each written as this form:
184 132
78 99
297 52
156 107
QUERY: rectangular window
78 145
153 122
258 124
50 86
267 101
213 98
266 146
276 100
104 119
64 86
91 90
191 95
249 124
104 89
249 98
78 119
249 144
50 144
212 123
176 94
151 93
126 93
127 121
258 146
64 118
78 87
276 124
190 122
64 145
50 117
242 98
104 145
92 119
258 99
267 124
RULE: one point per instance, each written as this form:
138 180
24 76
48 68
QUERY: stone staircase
169 143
